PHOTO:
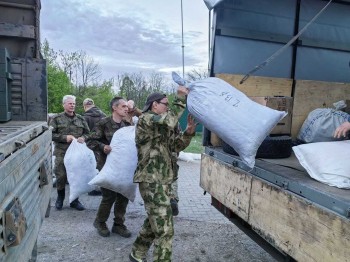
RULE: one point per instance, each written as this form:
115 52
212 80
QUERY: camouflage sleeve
86 130
182 141
95 136
56 136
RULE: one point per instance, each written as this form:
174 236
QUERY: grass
195 145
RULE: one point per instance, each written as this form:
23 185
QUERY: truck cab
277 203
25 139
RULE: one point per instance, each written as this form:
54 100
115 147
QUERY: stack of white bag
327 162
118 172
80 165
236 119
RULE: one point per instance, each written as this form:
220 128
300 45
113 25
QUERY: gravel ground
68 235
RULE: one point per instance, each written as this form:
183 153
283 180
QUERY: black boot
77 205
60 198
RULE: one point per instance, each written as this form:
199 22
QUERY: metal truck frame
279 206
25 139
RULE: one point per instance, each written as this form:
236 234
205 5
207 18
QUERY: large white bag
327 162
236 119
80 165
320 124
118 172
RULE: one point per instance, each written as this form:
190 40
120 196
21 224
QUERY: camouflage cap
88 101
151 98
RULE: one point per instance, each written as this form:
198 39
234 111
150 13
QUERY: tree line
79 74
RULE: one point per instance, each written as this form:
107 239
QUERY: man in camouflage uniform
155 142
92 114
66 126
99 140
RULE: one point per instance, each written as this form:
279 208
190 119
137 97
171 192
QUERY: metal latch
20 144
43 175
15 223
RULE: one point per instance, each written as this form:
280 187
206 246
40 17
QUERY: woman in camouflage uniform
155 141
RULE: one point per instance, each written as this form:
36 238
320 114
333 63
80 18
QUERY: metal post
183 46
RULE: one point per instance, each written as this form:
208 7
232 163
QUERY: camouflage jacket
63 125
92 116
102 135
156 140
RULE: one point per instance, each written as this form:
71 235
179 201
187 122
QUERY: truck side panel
26 179
292 224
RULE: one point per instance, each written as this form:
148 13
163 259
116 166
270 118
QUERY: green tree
57 80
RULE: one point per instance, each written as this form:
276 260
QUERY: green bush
195 145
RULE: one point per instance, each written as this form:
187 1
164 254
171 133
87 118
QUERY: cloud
119 37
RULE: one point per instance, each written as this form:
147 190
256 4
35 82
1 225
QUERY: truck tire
271 147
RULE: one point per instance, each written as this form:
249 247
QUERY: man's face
162 106
121 109
69 105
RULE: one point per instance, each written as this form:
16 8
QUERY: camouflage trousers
158 227
60 170
174 190
174 185
109 198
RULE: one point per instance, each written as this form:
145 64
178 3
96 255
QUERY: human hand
182 91
131 106
191 125
70 138
107 149
342 130
81 140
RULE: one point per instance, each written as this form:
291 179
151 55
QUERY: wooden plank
298 227
260 86
224 183
310 95
215 140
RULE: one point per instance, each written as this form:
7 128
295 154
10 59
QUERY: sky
129 36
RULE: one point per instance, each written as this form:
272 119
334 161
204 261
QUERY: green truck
25 139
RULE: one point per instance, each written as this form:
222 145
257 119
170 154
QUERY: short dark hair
115 102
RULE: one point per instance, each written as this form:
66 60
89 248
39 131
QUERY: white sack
327 162
236 119
320 124
80 165
188 157
118 172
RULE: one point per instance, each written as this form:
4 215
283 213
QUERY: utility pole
183 46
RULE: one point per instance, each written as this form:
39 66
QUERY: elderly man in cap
92 113
156 141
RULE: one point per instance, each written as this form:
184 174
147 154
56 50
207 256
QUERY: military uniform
63 125
156 139
102 135
92 116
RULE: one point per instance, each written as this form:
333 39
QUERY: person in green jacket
156 141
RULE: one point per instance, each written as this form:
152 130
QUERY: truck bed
290 175
299 216
14 134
